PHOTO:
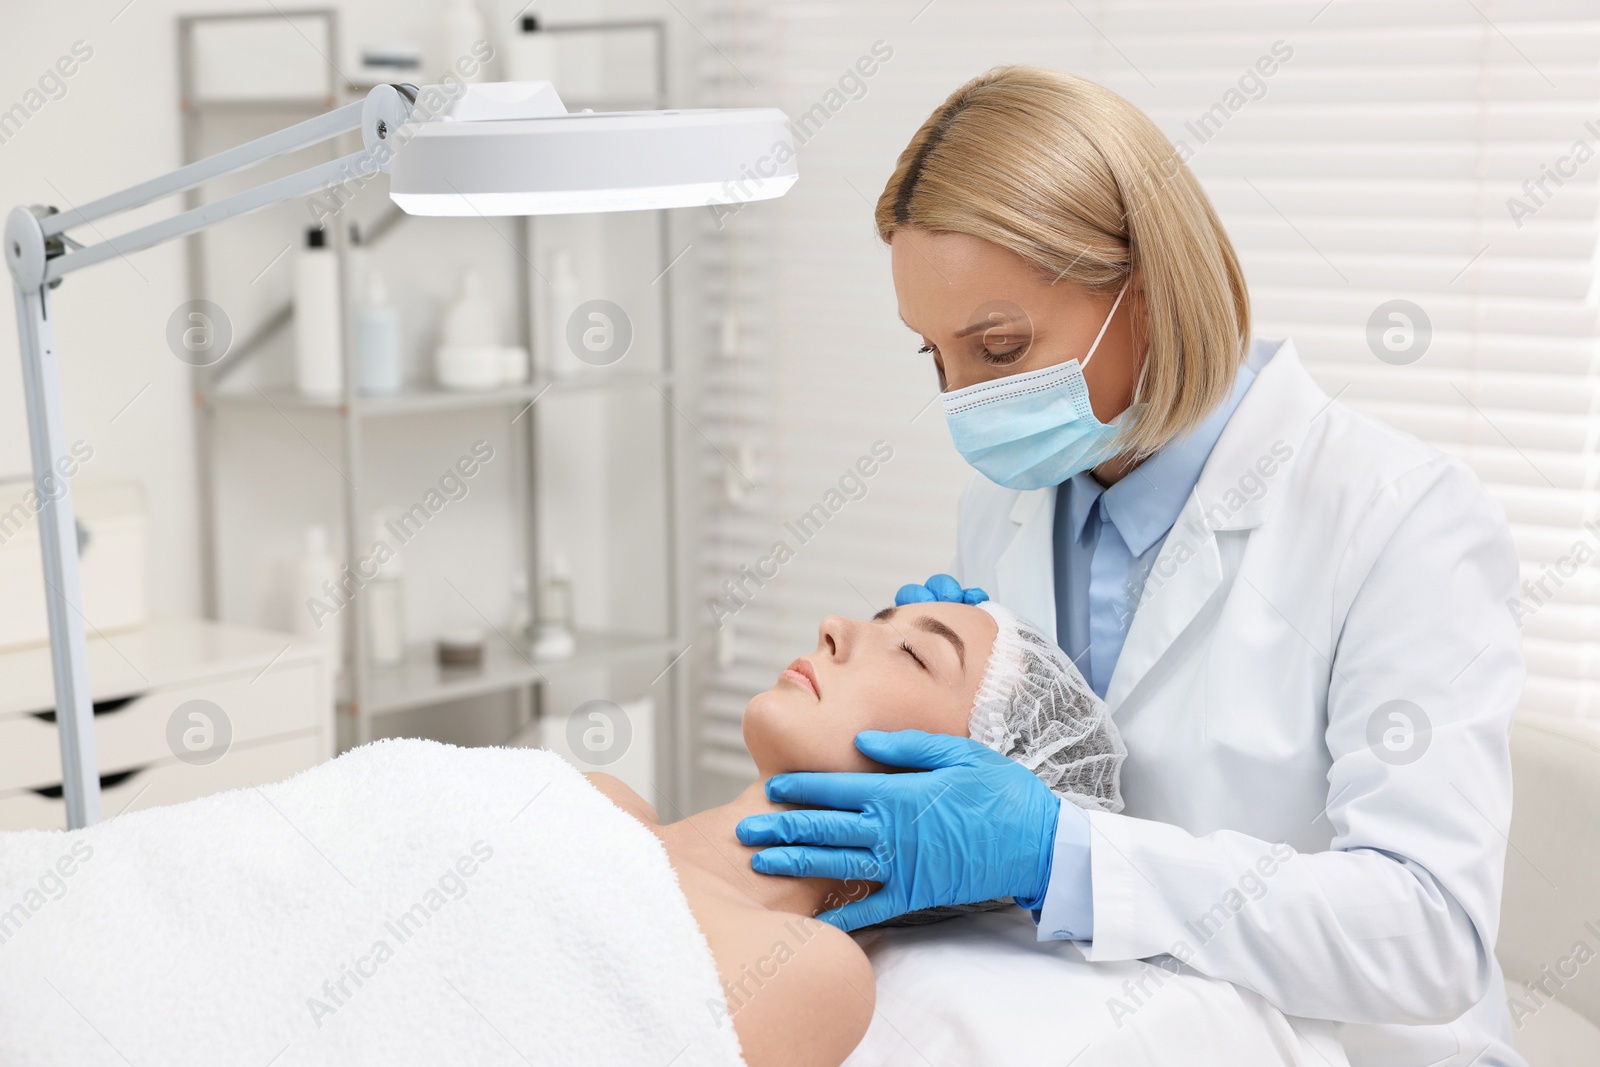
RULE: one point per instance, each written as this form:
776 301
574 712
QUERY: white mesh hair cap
1035 707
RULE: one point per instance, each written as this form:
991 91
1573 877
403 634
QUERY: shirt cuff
1066 912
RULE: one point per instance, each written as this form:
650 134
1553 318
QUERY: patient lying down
347 915
798 990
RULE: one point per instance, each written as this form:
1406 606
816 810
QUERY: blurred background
609 554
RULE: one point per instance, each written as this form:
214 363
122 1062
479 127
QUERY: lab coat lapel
1187 571
1025 572
1266 431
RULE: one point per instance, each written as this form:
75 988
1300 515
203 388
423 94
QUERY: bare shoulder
624 796
800 992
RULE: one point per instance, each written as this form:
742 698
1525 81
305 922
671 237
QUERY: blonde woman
1296 614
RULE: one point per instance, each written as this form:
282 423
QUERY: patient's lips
800 673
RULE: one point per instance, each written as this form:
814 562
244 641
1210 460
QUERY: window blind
1435 153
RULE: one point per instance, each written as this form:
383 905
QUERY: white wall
115 123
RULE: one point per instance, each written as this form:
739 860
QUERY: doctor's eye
1001 359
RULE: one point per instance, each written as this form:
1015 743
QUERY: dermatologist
1297 614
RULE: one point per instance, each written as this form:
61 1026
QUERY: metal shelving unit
425 400
367 691
420 681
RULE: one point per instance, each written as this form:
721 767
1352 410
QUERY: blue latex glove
939 587
974 827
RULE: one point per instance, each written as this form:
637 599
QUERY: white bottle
318 366
519 620
554 637
385 607
469 354
513 365
460 35
317 612
561 301
378 341
531 52
471 319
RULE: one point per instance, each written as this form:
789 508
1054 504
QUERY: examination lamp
496 149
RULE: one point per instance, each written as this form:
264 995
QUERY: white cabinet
182 708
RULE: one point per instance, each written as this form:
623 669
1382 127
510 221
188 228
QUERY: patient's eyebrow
934 626
929 624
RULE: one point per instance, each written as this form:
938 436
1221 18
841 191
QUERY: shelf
357 89
399 404
418 401
420 681
606 379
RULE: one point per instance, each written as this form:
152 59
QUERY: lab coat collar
1241 484
1145 503
1243 479
1279 406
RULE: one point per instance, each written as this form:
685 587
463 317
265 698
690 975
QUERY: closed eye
908 650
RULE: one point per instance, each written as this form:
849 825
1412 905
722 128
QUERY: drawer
133 733
171 781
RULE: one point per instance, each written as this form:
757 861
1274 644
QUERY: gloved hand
975 826
939 587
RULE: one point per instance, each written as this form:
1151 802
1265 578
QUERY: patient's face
866 679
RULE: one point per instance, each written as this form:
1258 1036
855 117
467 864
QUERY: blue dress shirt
1106 540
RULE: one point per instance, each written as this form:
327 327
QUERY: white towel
407 903
983 991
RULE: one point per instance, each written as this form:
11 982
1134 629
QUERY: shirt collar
1146 502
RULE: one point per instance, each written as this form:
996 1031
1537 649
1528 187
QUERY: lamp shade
593 161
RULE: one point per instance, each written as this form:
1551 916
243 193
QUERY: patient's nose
834 637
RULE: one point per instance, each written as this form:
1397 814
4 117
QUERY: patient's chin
770 706
766 717
784 732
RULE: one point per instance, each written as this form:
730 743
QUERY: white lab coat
1345 565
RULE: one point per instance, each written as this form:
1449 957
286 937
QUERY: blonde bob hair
1079 182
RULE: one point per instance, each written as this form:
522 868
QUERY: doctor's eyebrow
928 624
965 331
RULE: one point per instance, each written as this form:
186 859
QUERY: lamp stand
58 538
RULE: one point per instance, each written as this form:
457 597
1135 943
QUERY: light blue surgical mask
1027 431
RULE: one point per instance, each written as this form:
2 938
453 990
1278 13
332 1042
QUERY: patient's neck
708 839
